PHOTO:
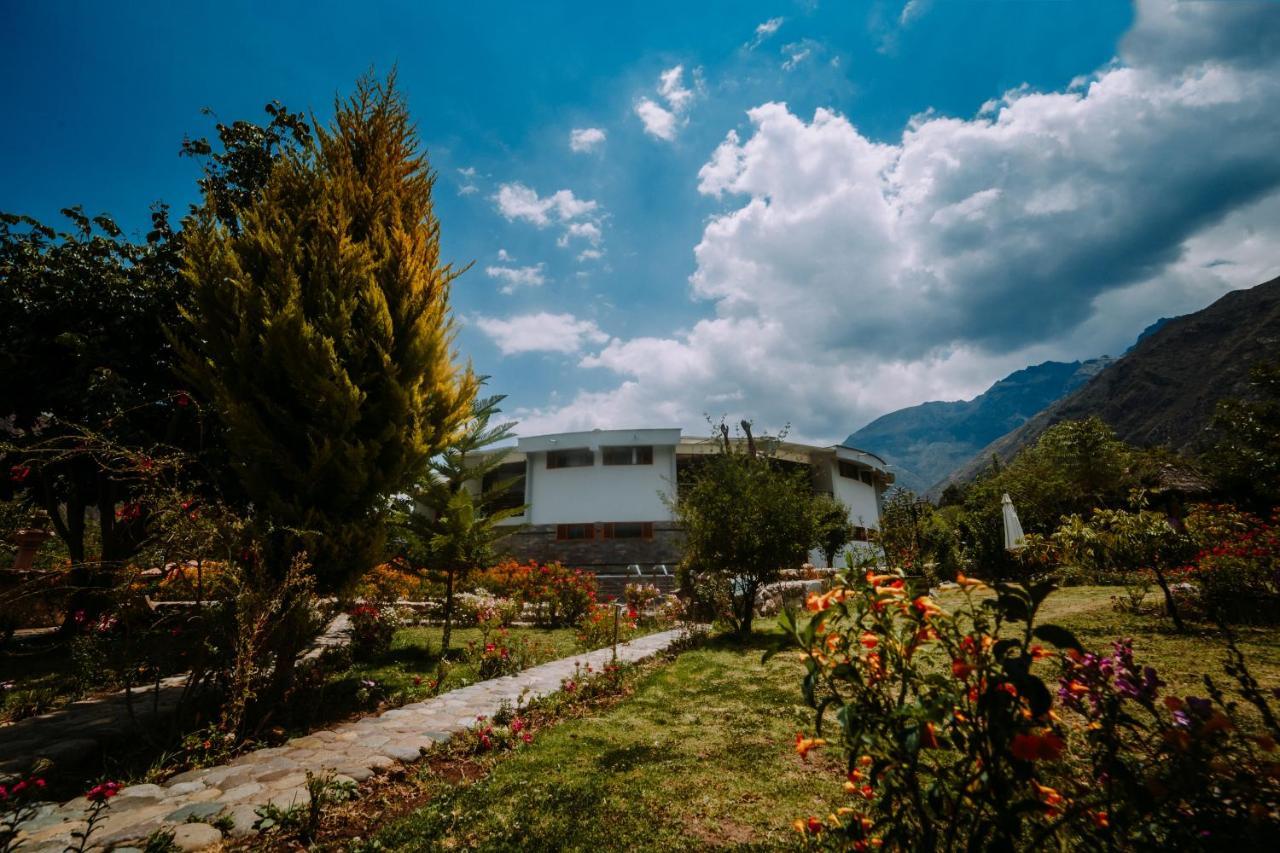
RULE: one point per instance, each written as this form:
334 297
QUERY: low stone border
277 775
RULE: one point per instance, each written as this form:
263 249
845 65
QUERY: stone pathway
277 775
77 732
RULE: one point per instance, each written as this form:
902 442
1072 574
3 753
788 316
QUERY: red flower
19 473
1047 747
182 399
103 792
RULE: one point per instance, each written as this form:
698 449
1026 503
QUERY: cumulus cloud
513 278
540 332
848 277
663 122
586 139
578 217
912 10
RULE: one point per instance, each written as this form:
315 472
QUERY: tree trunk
1170 605
747 611
448 614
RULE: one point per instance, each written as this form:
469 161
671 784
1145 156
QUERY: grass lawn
702 754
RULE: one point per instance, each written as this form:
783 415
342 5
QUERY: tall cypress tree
321 331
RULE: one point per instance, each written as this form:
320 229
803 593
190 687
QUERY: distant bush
373 627
559 596
388 582
1236 572
483 609
596 628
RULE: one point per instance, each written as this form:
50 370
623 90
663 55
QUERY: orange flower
875 579
805 744
1038 652
816 603
926 607
1037 747
1100 819
960 669
968 583
869 640
928 737
1048 795
811 826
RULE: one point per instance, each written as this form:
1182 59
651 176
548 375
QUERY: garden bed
702 753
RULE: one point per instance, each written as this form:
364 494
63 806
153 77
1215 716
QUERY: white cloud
588 231
517 201
912 10
504 255
468 184
590 255
541 332
798 51
663 122
516 277
586 139
849 276
764 31
657 121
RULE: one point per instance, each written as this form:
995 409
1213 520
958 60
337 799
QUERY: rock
196 836
200 811
185 787
243 817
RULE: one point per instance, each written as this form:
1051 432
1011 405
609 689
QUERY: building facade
603 500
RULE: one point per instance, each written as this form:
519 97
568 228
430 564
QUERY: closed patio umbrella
1014 539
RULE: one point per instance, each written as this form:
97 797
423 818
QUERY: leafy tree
832 528
235 175
745 518
1117 540
320 330
1246 454
450 522
81 346
1074 467
916 536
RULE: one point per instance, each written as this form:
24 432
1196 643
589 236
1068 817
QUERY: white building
602 499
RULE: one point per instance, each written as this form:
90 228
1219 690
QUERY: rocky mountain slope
927 442
1164 390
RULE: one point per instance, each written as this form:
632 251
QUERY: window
638 455
860 534
579 532
628 530
848 469
509 477
868 478
579 458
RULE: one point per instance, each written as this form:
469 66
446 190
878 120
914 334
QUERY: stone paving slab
277 775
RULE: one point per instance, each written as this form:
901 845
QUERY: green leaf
1058 636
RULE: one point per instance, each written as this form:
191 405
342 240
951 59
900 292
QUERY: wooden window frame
609 530
562 532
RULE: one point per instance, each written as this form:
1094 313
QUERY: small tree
319 328
745 517
832 528
447 528
1246 456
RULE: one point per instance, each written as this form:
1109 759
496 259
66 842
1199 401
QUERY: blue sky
804 212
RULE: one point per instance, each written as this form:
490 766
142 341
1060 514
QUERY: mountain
925 443
1163 391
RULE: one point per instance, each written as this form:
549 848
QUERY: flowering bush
952 739
490 736
559 595
501 654
485 610
596 628
640 595
388 583
372 627
1237 570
